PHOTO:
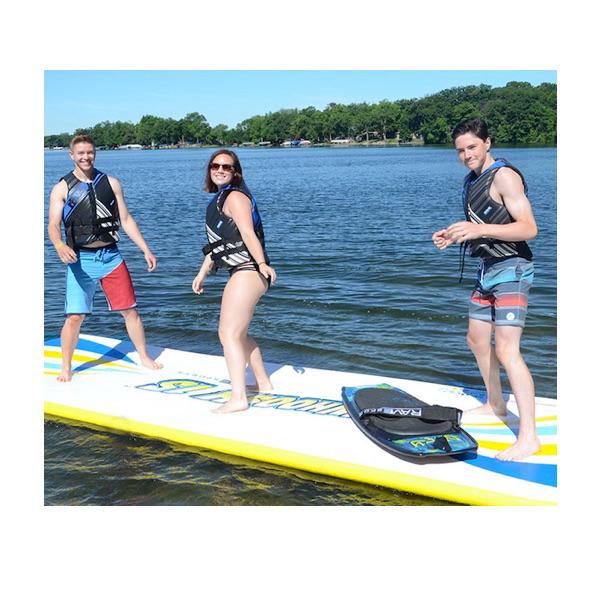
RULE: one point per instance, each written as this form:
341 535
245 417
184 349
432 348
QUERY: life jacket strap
427 413
92 229
463 252
217 254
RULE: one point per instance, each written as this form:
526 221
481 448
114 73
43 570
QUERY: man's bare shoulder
115 184
60 190
508 180
508 175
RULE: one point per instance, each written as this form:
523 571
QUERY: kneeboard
404 425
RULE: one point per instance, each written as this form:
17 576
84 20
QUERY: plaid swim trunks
501 293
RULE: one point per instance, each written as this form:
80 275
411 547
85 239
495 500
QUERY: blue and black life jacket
480 207
225 243
91 213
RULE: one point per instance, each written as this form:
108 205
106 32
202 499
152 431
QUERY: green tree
402 121
305 124
147 130
337 120
463 111
517 113
385 115
57 140
436 132
194 127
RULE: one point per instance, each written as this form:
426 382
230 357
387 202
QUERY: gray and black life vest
225 243
91 213
480 207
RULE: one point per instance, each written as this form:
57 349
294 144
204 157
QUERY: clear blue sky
75 99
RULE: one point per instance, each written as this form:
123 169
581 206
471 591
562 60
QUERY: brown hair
476 126
237 179
81 139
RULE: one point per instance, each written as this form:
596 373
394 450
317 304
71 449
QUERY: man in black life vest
92 209
498 222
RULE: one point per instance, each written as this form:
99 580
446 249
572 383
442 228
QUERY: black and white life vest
225 243
480 207
90 213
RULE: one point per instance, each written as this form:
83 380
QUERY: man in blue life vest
498 222
92 209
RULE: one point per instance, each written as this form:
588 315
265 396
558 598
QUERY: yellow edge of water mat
304 462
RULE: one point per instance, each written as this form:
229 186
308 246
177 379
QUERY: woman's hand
267 271
198 283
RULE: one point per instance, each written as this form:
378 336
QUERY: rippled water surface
360 288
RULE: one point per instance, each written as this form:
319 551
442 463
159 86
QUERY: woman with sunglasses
236 242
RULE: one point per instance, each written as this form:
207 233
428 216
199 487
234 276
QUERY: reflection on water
85 465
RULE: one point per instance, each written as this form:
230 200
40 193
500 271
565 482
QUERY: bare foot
149 363
232 406
65 375
488 409
264 386
521 449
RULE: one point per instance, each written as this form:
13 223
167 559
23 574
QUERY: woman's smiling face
222 170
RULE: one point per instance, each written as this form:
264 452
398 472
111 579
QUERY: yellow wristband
59 246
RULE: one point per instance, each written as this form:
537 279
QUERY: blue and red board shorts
104 266
501 294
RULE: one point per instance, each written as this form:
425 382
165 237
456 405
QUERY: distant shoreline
334 144
378 144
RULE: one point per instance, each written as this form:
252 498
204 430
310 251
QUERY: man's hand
66 253
463 231
441 239
150 260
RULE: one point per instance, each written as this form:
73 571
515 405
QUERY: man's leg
479 339
79 302
118 288
68 342
135 330
508 339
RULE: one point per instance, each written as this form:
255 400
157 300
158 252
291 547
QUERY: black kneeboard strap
404 425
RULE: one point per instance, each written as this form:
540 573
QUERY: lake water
360 288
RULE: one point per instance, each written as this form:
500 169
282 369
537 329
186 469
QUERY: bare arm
509 187
238 207
130 227
205 268
58 196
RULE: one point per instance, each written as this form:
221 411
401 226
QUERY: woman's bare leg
242 292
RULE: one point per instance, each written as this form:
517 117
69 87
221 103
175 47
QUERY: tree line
518 113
